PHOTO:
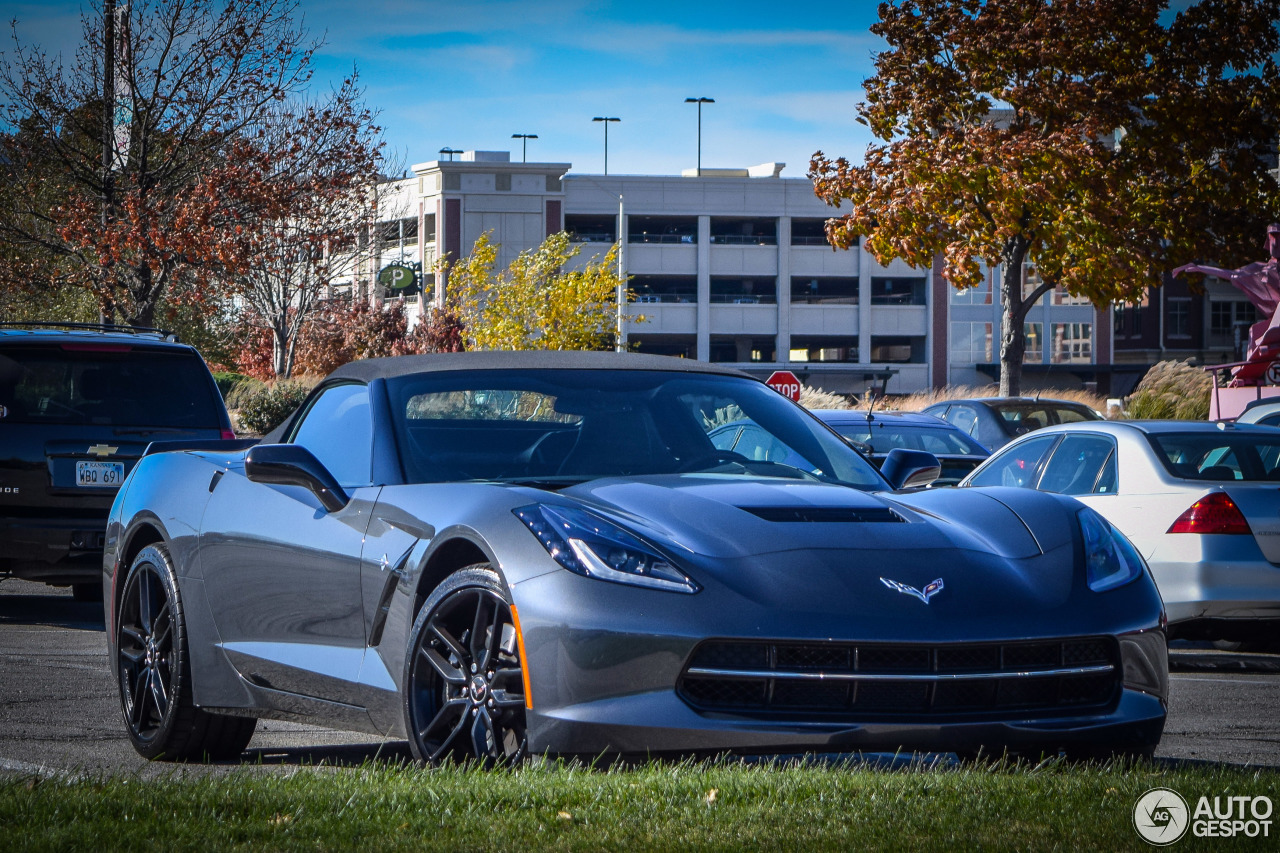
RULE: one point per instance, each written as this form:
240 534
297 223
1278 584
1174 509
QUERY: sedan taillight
228 435
1213 513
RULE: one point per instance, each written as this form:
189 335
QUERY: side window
1076 465
338 430
1016 466
963 418
1107 482
1069 416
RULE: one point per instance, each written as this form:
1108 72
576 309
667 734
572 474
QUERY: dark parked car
1264 412
878 433
78 405
495 554
994 421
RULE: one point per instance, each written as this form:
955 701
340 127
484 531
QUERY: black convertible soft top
386 368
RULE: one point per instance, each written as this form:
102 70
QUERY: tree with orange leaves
179 205
1103 141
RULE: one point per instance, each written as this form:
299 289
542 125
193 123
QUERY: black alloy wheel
154 675
146 654
464 685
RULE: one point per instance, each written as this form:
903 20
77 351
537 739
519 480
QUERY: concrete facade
731 267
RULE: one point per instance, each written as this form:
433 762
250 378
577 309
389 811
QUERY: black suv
78 405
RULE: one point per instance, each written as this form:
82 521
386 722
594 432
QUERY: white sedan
1201 501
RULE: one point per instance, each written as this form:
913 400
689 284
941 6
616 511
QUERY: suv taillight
228 435
1213 513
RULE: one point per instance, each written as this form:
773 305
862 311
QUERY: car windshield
884 436
114 384
1222 455
556 427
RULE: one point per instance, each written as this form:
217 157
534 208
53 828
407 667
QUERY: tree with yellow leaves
537 302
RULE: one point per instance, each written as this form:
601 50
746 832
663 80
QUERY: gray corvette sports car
501 554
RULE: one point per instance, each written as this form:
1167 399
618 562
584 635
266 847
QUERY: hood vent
823 514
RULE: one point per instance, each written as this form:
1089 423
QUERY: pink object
1260 281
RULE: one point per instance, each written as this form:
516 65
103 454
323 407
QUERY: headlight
1110 558
588 545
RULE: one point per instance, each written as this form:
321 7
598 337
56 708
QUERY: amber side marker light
1213 513
524 660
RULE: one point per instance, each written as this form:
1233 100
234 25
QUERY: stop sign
785 383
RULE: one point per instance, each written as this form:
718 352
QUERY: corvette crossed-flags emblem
924 595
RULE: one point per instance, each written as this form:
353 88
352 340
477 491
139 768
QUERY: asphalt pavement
60 712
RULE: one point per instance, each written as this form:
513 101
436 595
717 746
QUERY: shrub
816 398
260 408
1172 389
227 380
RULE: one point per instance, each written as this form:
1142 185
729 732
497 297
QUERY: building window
662 229
744 291
742 350
897 350
829 348
1033 333
809 232
1072 343
591 227
897 291
1179 317
679 346
391 233
744 231
1061 297
971 343
664 288
1225 316
824 291
1031 279
980 295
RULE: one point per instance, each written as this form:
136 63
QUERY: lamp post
524 144
606 120
699 102
450 152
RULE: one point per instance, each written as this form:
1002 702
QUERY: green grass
687 806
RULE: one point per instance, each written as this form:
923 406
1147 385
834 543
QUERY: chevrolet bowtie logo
102 450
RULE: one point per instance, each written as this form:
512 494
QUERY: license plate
99 474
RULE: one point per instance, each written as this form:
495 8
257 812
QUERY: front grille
847 681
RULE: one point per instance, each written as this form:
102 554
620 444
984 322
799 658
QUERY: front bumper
605 660
659 723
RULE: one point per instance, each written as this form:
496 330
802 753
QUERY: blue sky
786 77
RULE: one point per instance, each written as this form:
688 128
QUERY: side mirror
906 469
294 465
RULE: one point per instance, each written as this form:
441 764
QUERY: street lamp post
699 102
606 120
450 152
524 144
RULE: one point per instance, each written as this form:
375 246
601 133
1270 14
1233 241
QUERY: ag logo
1160 816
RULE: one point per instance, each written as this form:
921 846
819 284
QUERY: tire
153 672
464 679
87 592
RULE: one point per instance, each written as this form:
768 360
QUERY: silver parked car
1201 501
